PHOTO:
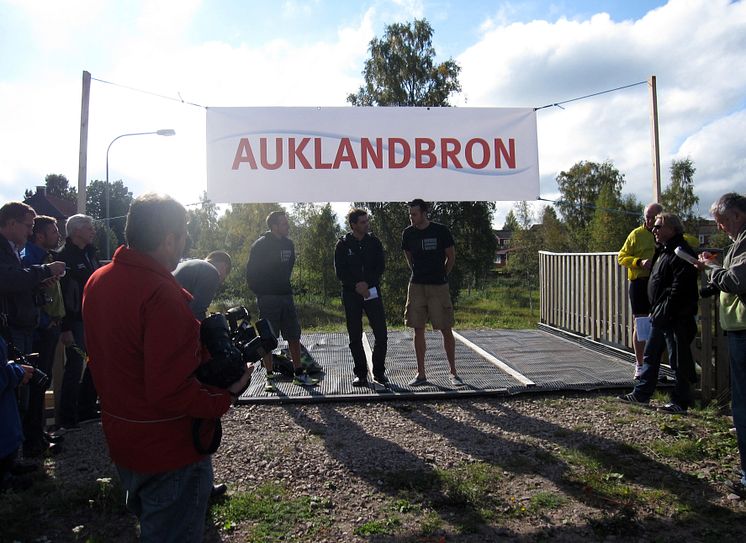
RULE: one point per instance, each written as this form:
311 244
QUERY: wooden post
83 153
655 141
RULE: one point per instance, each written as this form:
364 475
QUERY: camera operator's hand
28 371
239 386
67 338
703 259
57 268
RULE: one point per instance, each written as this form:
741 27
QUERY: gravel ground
354 460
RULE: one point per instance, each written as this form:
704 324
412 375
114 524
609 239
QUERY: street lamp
162 132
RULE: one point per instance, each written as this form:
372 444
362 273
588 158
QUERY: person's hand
28 371
239 386
57 268
647 263
67 338
704 258
362 289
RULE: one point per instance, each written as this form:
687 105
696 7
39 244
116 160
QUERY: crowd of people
136 372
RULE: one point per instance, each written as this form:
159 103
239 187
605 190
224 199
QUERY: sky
156 64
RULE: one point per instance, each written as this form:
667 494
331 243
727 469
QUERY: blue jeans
170 506
677 336
737 351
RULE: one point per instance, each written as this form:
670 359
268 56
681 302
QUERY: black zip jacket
79 266
270 265
17 286
672 287
356 261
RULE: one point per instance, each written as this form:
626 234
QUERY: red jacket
143 347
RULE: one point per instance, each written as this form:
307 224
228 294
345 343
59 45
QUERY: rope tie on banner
179 99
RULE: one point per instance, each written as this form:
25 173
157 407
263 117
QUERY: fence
587 294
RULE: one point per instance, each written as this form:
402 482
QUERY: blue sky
311 53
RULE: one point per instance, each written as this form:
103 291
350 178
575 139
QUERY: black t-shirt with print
428 250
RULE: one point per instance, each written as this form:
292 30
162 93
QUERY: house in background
503 238
53 206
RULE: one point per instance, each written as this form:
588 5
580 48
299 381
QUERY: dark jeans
355 305
45 344
78 395
737 350
677 336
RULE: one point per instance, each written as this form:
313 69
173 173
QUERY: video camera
38 378
232 341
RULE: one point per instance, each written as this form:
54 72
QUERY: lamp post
162 132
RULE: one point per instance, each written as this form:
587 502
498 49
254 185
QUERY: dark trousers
45 344
677 336
78 393
355 305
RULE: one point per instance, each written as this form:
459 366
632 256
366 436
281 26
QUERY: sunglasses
658 226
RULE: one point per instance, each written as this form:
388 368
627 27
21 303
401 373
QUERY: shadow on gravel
618 515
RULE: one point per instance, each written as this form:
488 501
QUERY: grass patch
469 484
269 509
378 527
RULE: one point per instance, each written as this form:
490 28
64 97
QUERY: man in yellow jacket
636 255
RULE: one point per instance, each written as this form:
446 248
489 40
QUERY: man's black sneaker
673 408
631 398
218 490
381 379
359 382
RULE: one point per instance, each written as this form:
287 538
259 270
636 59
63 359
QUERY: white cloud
694 47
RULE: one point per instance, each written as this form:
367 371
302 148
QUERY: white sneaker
417 381
456 380
638 371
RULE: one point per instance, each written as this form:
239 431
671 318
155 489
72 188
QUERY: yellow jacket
639 246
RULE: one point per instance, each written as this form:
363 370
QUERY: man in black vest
359 264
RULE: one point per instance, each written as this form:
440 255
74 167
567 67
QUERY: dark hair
672 220
220 257
355 214
41 222
727 203
16 211
151 218
273 218
419 202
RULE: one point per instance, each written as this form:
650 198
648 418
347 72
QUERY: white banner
379 154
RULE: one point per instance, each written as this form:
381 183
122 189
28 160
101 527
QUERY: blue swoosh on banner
329 135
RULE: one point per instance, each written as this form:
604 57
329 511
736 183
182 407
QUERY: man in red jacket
143 345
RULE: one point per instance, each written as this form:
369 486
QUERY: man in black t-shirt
431 255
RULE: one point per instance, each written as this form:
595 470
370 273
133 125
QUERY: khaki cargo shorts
428 303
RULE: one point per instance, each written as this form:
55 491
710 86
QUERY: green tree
679 197
318 230
204 229
401 70
580 187
120 199
525 245
511 223
57 185
613 218
553 233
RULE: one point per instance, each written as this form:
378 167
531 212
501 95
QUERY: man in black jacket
359 264
19 314
268 271
78 395
672 290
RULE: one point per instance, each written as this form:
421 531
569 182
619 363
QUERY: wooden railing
587 294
